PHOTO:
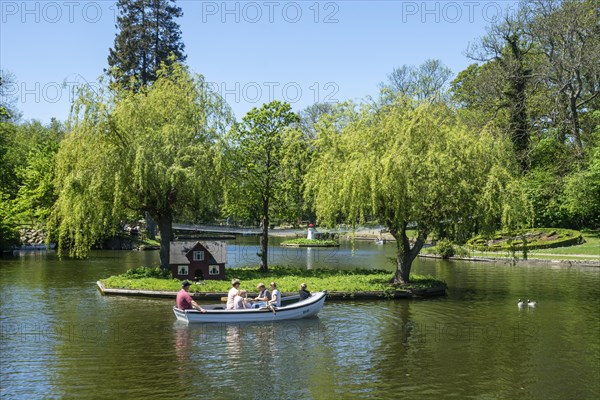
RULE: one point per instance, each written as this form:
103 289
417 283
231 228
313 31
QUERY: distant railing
217 229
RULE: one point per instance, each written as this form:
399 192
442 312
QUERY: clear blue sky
252 52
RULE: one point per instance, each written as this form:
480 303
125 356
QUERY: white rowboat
298 310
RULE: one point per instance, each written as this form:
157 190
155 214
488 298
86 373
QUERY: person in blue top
275 295
304 294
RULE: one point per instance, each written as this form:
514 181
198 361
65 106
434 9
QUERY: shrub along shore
348 284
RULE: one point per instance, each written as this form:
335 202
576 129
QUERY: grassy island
302 242
346 282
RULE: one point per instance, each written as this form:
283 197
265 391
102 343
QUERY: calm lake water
61 339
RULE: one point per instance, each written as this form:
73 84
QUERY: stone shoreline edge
435 291
562 263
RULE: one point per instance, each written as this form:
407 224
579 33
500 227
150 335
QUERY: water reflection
234 345
363 254
475 342
271 359
310 262
182 343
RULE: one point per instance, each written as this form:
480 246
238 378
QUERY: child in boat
304 294
240 301
275 295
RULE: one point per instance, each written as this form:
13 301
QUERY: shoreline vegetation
340 284
586 253
302 242
345 284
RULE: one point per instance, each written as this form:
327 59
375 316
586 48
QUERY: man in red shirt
184 300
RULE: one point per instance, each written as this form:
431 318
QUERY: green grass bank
346 283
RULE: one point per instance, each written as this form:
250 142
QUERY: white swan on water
520 304
531 303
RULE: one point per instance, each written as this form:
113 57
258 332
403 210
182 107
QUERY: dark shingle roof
179 250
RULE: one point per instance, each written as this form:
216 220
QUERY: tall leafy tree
581 197
508 50
27 153
404 164
36 151
427 82
153 151
540 75
148 36
263 167
9 234
311 115
8 98
567 34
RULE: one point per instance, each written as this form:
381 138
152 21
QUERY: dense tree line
538 81
511 141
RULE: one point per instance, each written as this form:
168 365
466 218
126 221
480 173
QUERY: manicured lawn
590 250
591 247
531 255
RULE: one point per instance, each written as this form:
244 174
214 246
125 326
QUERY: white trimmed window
213 270
198 256
182 270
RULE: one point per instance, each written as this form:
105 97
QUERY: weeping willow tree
404 165
153 151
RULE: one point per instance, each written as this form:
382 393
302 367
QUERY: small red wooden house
198 260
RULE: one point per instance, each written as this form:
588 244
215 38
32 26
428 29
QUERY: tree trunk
575 124
264 239
405 254
144 71
150 226
165 225
517 94
519 121
157 36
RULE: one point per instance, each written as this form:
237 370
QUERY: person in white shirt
275 295
232 293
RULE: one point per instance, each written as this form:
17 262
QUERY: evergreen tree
148 35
